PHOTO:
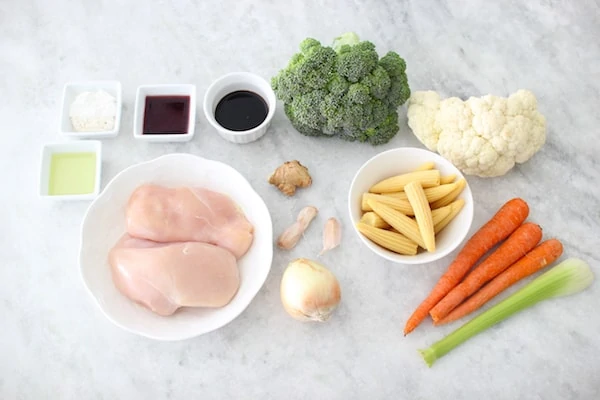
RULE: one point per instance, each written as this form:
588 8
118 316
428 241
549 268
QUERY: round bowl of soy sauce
240 106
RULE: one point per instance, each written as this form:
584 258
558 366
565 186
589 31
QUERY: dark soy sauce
166 115
241 110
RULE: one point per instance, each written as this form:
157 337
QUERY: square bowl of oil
71 170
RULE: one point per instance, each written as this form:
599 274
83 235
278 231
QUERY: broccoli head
345 90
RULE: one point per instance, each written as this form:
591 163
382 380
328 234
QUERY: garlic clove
332 235
290 237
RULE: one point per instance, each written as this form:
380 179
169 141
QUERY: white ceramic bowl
163 90
73 148
70 92
398 161
104 223
233 82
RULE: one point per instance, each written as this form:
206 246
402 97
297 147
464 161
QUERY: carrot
521 241
508 218
545 253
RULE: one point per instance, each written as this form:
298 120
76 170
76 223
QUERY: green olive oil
72 173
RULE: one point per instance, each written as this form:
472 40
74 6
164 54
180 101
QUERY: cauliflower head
483 136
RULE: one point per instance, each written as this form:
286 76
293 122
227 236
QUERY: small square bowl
70 92
74 177
163 90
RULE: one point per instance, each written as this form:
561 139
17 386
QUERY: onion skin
309 291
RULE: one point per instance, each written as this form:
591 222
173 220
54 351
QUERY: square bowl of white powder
91 109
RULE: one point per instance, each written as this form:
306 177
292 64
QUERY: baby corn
397 204
372 219
425 166
450 197
440 214
396 183
447 179
455 208
420 205
433 193
403 224
389 240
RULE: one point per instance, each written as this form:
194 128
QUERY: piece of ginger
289 176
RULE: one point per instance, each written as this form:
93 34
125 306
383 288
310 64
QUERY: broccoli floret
384 132
344 90
317 67
358 94
338 86
378 82
393 64
308 70
307 44
332 108
355 63
381 111
347 39
288 84
358 117
298 125
375 123
307 109
398 94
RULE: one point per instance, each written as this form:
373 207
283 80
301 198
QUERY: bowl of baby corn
410 205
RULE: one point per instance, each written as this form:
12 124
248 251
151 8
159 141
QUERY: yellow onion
309 291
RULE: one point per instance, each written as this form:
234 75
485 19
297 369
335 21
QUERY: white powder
93 111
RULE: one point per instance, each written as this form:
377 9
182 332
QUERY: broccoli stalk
345 90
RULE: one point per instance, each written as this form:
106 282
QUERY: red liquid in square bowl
166 115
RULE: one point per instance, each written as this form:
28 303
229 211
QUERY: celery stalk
570 276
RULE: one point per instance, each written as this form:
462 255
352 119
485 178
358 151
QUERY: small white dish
58 181
104 223
71 90
233 82
163 90
399 161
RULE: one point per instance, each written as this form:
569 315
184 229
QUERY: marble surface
55 343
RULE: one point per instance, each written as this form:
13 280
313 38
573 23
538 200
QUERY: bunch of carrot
518 255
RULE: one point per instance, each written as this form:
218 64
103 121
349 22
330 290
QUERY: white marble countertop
55 343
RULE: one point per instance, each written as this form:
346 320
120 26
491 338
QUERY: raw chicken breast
166 276
188 214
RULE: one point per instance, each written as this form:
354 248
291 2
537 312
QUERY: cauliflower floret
422 107
482 136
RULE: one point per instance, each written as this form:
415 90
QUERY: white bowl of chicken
176 247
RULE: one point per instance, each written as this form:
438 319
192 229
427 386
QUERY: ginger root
289 176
